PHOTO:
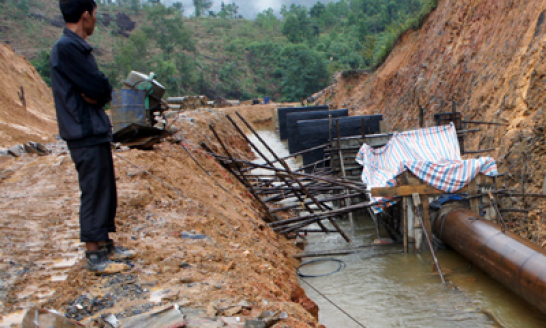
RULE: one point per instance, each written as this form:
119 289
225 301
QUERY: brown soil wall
487 56
18 124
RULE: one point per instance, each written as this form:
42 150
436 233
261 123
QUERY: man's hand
89 100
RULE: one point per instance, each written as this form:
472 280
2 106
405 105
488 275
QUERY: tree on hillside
178 6
165 27
284 10
229 11
317 10
162 45
303 72
135 6
297 26
201 7
338 9
267 19
132 55
235 10
292 30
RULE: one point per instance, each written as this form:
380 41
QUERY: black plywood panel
282 112
293 118
313 133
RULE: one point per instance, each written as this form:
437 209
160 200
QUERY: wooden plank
401 191
426 214
417 225
405 220
474 202
419 210
347 200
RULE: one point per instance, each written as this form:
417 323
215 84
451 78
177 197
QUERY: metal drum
128 107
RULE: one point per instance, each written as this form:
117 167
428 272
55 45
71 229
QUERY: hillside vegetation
220 53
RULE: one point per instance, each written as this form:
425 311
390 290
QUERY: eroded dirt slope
239 259
489 57
18 124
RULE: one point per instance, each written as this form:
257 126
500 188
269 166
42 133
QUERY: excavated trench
380 287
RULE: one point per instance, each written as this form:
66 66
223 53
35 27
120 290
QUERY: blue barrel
128 107
266 100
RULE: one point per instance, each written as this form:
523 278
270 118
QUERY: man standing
80 91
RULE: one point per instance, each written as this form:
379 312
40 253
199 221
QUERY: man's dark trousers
98 187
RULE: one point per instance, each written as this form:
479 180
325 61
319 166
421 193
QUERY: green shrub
41 63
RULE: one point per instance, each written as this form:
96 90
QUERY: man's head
79 12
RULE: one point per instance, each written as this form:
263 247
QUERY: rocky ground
200 239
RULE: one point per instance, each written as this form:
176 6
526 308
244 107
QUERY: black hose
341 266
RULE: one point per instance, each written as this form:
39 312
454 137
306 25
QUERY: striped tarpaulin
432 154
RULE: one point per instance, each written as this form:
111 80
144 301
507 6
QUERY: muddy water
278 147
398 290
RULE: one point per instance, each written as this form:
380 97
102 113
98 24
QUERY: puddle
65 263
59 278
13 318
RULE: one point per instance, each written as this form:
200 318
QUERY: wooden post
419 210
363 130
330 129
342 164
492 200
523 178
474 202
405 222
426 214
22 97
454 113
417 226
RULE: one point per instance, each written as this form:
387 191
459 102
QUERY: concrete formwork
294 143
282 112
314 133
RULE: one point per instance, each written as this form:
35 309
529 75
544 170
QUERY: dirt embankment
18 124
489 57
240 259
166 197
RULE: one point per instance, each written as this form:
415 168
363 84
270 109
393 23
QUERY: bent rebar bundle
310 191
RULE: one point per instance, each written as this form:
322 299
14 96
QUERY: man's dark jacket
74 72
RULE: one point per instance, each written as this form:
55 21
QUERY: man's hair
73 9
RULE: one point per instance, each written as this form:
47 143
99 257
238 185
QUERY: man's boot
98 262
117 253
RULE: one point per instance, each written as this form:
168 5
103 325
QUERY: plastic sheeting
432 154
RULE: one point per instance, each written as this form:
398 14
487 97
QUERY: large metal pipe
511 260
